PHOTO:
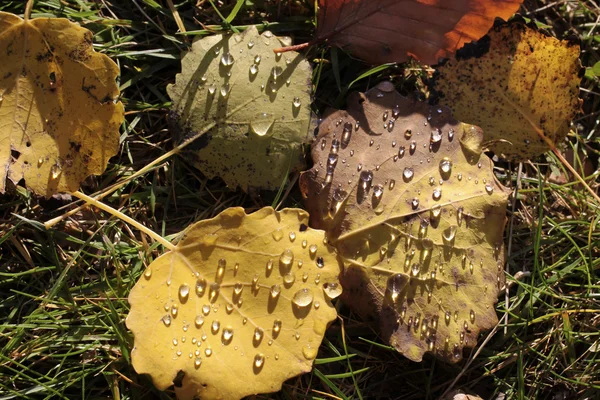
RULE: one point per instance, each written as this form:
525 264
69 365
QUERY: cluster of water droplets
217 300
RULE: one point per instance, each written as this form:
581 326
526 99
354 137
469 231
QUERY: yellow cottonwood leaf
240 306
523 84
59 121
412 205
251 107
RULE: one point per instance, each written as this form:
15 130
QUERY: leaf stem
125 218
296 47
28 9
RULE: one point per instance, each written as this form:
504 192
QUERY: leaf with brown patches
413 207
59 118
519 85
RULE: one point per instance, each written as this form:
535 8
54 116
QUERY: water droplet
206 309
222 263
197 362
297 103
312 250
459 215
184 292
214 291
251 44
148 273
166 320
335 145
276 327
258 334
436 210
366 178
415 269
437 194
261 125
227 59
309 352
214 327
275 291
449 234
259 360
395 285
269 265
199 321
332 290
472 316
424 224
385 115
414 203
446 167
253 69
456 351
174 310
346 134
212 88
413 147
408 173
489 188
208 352
392 184
377 192
303 298
289 278
436 136
55 171
225 90
276 72
401 151
287 258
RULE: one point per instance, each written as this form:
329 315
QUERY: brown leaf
392 30
415 211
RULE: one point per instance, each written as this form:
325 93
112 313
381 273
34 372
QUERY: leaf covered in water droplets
59 121
515 84
251 106
240 306
382 31
412 205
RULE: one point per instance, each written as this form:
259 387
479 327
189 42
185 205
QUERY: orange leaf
385 31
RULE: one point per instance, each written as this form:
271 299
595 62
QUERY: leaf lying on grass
413 207
251 106
59 118
515 84
240 306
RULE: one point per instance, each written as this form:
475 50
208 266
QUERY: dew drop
258 334
449 234
377 192
276 326
415 269
395 285
346 134
446 166
309 352
436 210
414 203
366 178
332 290
184 292
206 309
275 291
197 362
227 59
459 215
296 102
55 171
212 88
303 298
289 278
259 360
257 60
224 90
489 188
436 136
392 184
437 194
214 327
148 273
166 320
253 69
208 352
408 173
413 147
287 257
261 125
276 72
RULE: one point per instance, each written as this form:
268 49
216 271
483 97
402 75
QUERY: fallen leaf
516 84
59 118
240 306
417 217
384 31
251 106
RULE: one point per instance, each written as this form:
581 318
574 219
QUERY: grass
63 291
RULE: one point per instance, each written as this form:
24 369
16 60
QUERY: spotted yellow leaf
59 118
237 308
412 205
517 84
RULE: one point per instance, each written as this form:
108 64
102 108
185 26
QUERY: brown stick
296 47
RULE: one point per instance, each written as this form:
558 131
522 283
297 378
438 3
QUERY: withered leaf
414 209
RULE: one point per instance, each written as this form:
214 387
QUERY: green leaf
251 106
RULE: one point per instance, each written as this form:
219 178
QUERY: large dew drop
303 298
184 292
332 290
287 258
227 59
261 125
408 174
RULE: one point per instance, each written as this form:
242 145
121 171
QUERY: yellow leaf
417 216
59 121
240 306
525 84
